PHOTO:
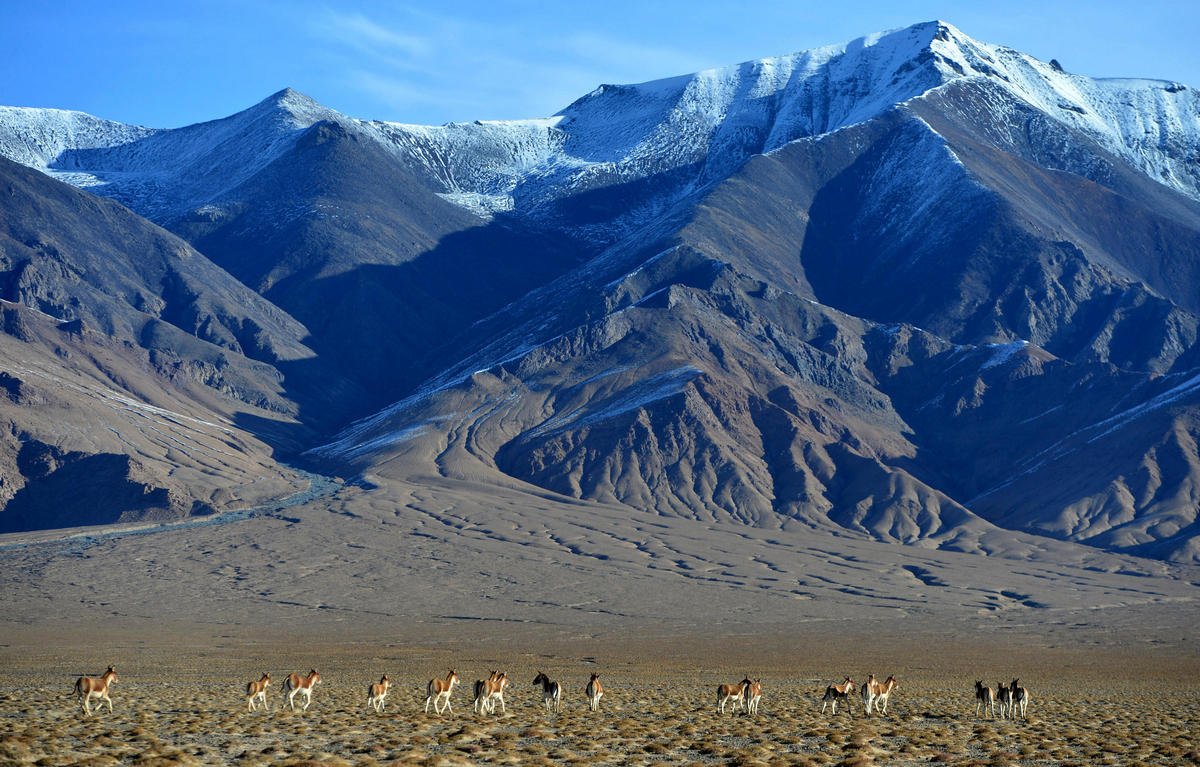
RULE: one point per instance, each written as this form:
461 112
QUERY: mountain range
916 288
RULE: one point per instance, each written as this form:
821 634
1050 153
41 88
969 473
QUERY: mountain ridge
704 296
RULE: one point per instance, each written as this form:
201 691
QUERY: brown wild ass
732 693
256 692
594 692
439 692
876 694
1005 700
479 702
377 693
753 696
88 687
985 699
1020 698
490 691
302 685
495 692
838 692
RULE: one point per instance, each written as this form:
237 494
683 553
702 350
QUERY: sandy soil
410 580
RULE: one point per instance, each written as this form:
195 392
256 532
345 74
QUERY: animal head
594 677
540 678
384 680
314 676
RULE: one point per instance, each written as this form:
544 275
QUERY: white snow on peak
697 128
160 173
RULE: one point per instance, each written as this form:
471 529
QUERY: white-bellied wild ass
377 693
256 691
479 701
439 692
877 693
985 699
1020 698
88 687
489 692
495 692
732 693
838 692
551 692
300 685
753 696
1005 700
594 692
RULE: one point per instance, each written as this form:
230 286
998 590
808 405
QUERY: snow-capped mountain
703 125
862 289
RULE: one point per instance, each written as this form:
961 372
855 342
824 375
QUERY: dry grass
176 708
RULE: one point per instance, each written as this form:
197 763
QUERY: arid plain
410 580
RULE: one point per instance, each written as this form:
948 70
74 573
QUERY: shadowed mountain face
917 289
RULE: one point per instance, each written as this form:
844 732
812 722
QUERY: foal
256 690
88 687
836 692
551 692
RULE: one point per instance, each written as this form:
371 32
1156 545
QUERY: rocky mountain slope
915 288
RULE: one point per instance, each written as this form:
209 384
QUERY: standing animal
1006 700
551 692
836 692
300 685
439 692
1020 698
732 693
876 693
88 687
594 692
985 699
753 696
377 693
256 692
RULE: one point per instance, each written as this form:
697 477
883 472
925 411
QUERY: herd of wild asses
1011 700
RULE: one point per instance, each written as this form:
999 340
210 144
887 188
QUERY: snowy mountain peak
708 122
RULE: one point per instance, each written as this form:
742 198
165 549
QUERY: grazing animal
300 685
985 699
1020 698
877 693
836 692
257 691
753 696
377 693
551 692
439 692
1006 700
732 693
88 687
594 692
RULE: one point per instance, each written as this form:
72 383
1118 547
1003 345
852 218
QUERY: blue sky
166 64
